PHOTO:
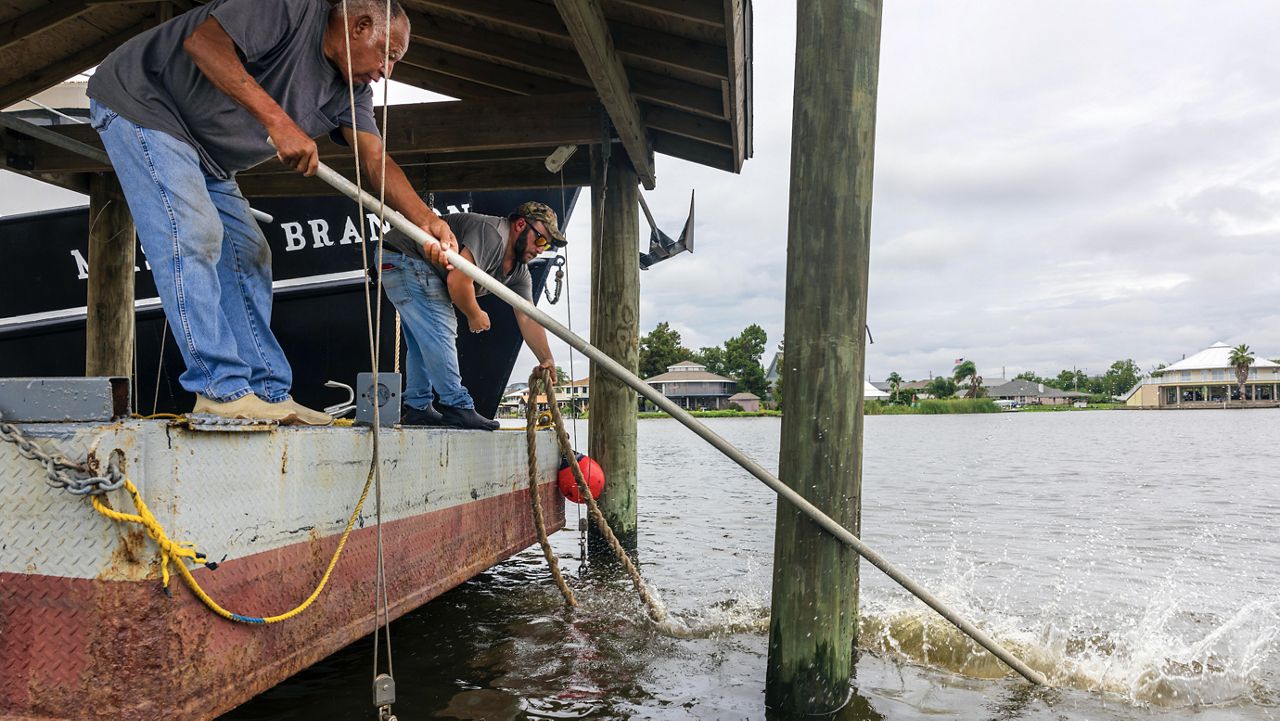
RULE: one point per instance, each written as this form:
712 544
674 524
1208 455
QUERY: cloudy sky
1057 184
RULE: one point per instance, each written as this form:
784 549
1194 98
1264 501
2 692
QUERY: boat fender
591 472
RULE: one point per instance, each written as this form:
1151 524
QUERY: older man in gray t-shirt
185 106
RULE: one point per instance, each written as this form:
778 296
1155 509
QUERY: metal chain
74 478
559 287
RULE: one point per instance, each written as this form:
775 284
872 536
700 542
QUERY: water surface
1130 556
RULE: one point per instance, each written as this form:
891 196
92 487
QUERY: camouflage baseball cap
534 210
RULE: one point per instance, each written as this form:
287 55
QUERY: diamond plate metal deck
79 594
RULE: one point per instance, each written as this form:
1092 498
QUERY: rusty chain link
74 478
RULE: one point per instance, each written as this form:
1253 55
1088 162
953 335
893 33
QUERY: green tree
894 380
941 387
660 348
1070 380
713 358
1120 377
1241 358
1032 377
742 359
967 371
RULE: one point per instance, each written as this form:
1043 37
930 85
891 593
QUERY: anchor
661 245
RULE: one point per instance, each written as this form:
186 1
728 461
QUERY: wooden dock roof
665 76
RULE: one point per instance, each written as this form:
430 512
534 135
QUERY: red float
591 472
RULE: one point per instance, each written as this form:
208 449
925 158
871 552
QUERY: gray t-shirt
485 237
153 82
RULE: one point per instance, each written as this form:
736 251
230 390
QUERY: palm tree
894 380
1241 358
968 371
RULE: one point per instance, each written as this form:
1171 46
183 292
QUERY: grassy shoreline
926 407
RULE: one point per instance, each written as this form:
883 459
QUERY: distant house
1026 392
690 386
749 402
574 393
1207 379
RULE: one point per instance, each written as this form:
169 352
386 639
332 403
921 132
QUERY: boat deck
86 632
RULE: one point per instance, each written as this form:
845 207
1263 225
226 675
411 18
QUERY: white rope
381 611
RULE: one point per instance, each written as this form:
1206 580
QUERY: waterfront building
1207 379
747 401
1024 392
692 387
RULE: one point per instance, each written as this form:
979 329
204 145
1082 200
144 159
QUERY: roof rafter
84 59
52 14
445 127
590 31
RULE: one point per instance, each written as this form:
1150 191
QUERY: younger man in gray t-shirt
425 296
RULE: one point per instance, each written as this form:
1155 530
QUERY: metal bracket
384 694
221 424
387 397
338 410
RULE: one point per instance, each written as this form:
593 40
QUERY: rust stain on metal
131 559
284 460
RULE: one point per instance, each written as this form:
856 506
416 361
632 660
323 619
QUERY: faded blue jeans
209 258
430 331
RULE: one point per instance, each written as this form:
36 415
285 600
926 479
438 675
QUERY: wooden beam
715 132
54 13
109 324
346 164
736 47
813 622
590 31
50 75
494 175
464 77
539 23
712 156
615 330
461 126
702 12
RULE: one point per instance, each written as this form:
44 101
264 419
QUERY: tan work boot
302 415
248 407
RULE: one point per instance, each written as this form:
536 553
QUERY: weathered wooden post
109 333
815 578
615 329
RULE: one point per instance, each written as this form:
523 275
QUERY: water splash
1163 659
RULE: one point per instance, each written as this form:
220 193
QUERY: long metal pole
398 221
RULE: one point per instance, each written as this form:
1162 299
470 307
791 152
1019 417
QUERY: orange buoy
591 472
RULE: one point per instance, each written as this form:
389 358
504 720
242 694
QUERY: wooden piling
615 330
815 580
109 331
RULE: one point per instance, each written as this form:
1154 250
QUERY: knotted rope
657 611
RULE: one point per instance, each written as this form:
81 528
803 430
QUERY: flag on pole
959 361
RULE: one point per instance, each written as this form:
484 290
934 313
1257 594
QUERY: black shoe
466 418
410 416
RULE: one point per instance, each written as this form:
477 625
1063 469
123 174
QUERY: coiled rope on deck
179 552
657 611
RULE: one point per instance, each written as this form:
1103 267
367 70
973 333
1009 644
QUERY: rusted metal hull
111 645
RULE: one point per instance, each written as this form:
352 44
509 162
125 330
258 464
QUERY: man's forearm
462 293
535 336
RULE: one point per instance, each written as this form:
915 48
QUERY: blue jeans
209 258
430 331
